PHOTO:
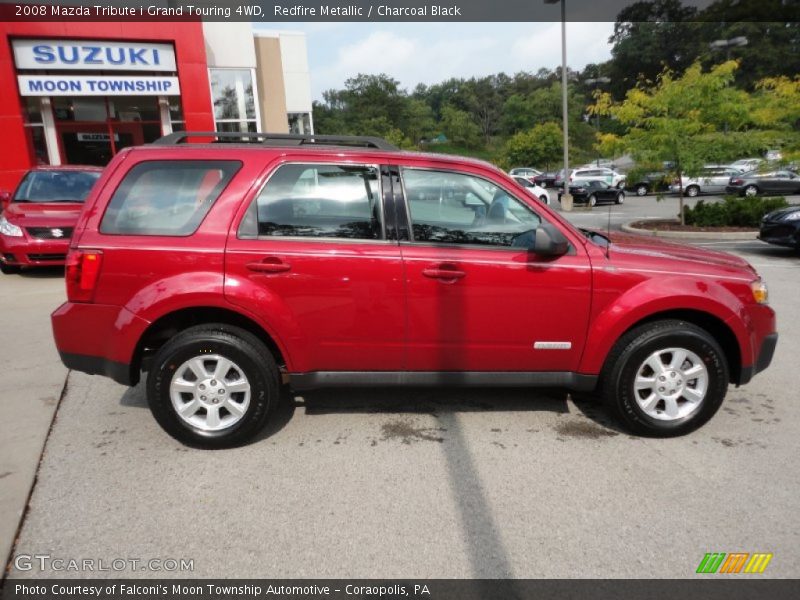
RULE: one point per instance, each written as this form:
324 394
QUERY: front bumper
763 360
28 252
780 234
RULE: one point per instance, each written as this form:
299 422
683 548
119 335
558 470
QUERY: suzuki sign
93 55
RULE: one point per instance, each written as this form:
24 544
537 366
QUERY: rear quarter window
169 197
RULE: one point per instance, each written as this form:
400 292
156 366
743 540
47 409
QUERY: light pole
727 45
566 198
596 81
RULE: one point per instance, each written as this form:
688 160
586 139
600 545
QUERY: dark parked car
595 192
546 179
773 182
658 181
782 227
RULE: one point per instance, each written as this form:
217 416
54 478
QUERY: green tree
459 127
540 146
418 121
677 119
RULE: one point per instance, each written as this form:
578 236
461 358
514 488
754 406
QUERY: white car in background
527 172
713 179
747 164
609 176
542 194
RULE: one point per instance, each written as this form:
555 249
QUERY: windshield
56 186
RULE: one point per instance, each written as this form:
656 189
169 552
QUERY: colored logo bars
735 562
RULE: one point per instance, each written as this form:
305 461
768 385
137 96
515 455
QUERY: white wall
230 45
296 77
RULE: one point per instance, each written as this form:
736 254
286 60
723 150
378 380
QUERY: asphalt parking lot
415 483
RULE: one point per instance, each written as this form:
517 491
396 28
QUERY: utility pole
566 198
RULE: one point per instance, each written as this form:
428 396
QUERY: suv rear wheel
213 386
665 378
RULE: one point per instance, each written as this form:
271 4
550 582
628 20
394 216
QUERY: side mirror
550 241
5 199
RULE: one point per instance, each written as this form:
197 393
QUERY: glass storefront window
175 110
79 109
37 144
33 110
237 126
300 123
234 101
134 108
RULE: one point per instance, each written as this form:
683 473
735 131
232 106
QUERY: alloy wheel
671 384
210 392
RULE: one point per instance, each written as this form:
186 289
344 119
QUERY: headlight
794 216
9 229
760 293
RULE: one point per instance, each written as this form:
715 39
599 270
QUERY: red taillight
737 181
83 268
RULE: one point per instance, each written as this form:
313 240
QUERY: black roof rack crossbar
278 139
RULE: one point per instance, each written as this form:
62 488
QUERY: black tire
692 191
642 190
592 201
233 343
750 191
620 198
632 350
544 199
9 269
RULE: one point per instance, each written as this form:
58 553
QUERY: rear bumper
25 252
99 339
763 360
95 365
735 190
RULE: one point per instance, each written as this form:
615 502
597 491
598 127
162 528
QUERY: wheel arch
171 323
715 326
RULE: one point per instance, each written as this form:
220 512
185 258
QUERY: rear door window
320 201
169 197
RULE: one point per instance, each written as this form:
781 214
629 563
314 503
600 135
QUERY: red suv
38 217
226 269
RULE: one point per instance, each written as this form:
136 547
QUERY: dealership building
79 92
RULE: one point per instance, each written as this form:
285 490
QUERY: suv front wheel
665 378
213 386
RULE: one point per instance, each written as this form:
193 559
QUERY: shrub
733 211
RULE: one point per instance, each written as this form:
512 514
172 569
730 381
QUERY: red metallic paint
40 214
345 305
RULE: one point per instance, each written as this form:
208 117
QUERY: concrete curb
692 235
